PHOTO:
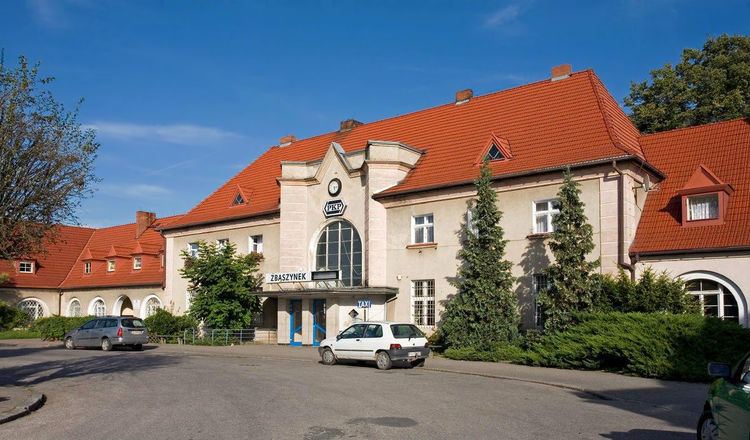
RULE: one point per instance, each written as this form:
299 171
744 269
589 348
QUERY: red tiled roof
547 124
52 267
724 148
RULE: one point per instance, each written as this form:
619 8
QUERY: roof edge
221 220
691 251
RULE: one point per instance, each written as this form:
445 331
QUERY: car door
95 334
372 341
734 399
349 343
83 335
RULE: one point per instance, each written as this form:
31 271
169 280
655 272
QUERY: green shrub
643 344
54 328
652 292
12 317
162 322
18 334
499 352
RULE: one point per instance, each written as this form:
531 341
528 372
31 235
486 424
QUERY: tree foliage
46 161
484 310
653 292
571 281
707 85
223 284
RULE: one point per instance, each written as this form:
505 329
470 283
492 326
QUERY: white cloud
503 15
47 12
181 134
134 191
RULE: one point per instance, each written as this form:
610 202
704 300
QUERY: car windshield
403 331
132 323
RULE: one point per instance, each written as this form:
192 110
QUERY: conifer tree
484 310
571 276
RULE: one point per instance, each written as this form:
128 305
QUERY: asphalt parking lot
164 394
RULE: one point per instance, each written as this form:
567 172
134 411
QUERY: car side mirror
338 336
719 370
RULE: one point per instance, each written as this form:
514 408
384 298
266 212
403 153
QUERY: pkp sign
334 208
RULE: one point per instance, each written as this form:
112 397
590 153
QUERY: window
539 283
544 212
374 331
339 248
423 229
222 243
423 302
74 308
33 308
110 265
494 153
137 263
255 244
703 207
98 308
193 249
353 332
405 331
715 299
238 200
89 325
152 305
26 266
87 267
132 323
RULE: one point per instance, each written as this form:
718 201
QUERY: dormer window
137 263
494 153
26 267
87 267
704 199
238 200
110 265
702 207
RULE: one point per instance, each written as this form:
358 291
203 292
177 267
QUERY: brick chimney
287 140
348 125
561 72
143 220
463 96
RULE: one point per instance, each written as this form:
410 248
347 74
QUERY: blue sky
185 94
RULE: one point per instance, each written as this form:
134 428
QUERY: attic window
87 267
26 266
703 207
238 200
494 153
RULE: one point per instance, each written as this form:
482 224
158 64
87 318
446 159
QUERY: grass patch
19 334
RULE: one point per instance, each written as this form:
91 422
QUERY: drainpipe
59 302
621 222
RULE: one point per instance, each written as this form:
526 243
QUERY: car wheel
138 347
707 429
417 363
328 357
383 360
69 343
106 344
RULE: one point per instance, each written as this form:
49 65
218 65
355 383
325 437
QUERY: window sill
421 245
539 236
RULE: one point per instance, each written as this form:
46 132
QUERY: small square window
87 267
255 244
703 207
110 265
26 266
137 263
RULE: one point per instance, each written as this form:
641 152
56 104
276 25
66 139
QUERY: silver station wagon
107 332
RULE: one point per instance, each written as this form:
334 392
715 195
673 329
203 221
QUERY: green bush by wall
162 322
54 328
11 317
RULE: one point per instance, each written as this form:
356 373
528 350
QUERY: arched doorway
123 307
718 296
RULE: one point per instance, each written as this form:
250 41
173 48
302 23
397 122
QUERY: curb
34 402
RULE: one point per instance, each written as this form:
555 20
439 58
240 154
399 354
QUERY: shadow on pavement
105 363
649 434
13 350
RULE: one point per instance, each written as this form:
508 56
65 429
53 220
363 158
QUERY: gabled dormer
704 198
496 149
241 196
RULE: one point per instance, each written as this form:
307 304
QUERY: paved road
158 394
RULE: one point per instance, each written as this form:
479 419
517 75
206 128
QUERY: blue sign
364 303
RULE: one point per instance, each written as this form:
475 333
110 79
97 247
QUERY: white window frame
86 267
255 245
688 200
535 291
426 300
222 242
728 286
70 306
39 305
111 265
144 305
549 213
137 263
193 251
423 229
28 264
92 306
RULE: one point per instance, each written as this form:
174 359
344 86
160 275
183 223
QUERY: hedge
54 328
656 345
12 317
163 323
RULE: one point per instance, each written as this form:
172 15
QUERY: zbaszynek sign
302 277
334 208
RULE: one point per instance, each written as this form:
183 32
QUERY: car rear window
132 323
403 331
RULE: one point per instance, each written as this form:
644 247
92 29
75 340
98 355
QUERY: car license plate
413 353
137 332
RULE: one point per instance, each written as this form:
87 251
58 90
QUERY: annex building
363 222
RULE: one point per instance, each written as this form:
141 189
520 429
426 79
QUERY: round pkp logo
334 208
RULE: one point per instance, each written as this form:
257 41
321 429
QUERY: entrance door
319 321
295 322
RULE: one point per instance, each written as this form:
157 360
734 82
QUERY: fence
207 337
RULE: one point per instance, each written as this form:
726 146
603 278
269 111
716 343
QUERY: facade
364 222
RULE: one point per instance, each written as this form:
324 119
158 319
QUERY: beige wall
48 297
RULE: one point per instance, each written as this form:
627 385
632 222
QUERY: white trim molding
144 304
726 283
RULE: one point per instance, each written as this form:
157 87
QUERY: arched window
33 307
74 308
715 298
98 308
339 248
152 305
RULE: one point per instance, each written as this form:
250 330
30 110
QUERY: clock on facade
334 187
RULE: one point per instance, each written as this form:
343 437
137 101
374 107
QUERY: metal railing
207 337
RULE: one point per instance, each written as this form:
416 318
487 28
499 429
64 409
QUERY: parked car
726 413
107 332
382 342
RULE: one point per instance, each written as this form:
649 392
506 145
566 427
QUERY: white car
382 342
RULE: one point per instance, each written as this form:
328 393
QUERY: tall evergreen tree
484 310
571 280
